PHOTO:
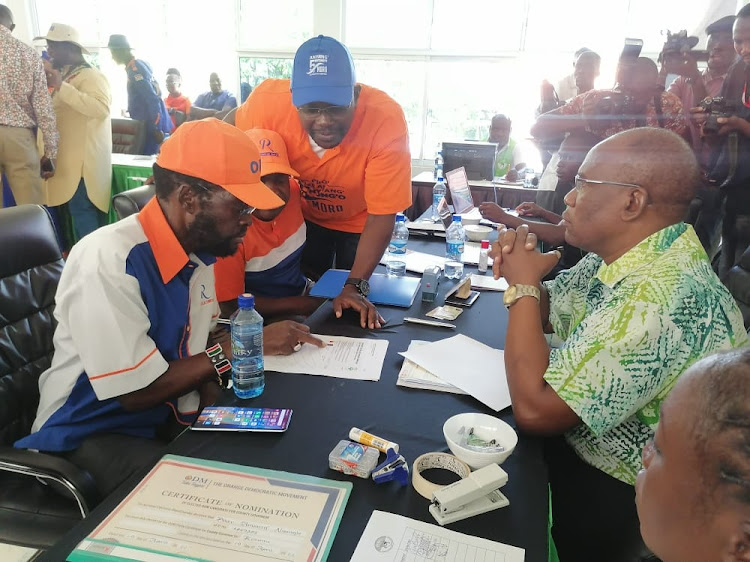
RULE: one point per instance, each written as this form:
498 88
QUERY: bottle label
455 249
397 247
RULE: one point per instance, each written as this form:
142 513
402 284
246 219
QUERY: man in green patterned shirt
634 314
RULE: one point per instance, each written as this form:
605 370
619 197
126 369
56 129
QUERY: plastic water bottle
248 379
438 164
438 192
454 242
395 265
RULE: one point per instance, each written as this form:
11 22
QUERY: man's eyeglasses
579 183
244 210
330 111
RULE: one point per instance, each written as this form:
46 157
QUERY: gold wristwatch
515 292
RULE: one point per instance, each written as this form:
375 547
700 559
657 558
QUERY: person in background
214 103
637 101
245 90
25 104
633 315
268 260
692 494
729 146
144 95
350 144
692 85
508 158
81 98
567 87
178 105
110 403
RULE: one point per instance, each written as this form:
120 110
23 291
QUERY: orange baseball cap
219 153
273 154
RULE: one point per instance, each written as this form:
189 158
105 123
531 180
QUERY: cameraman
692 85
637 101
729 165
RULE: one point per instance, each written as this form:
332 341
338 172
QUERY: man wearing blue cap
350 144
144 95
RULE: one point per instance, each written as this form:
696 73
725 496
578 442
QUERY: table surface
429 178
326 408
133 160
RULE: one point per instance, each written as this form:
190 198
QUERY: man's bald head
658 160
6 17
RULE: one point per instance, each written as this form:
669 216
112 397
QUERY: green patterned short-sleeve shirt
630 329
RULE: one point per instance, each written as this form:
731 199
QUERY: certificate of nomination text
192 509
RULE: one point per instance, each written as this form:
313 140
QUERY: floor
10 553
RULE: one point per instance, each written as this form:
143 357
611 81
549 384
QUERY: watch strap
221 364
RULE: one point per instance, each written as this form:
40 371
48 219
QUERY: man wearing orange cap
268 260
136 308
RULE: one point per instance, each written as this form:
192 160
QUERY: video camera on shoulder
715 108
679 45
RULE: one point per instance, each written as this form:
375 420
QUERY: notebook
384 289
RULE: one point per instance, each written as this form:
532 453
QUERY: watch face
510 295
364 287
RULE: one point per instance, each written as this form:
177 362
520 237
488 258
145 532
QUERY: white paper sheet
488 283
344 358
471 253
393 538
426 225
470 365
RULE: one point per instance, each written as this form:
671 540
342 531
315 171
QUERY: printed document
193 509
342 357
393 538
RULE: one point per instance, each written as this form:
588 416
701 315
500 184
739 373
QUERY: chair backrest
738 282
129 202
128 136
30 270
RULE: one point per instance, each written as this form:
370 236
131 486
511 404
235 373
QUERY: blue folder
392 291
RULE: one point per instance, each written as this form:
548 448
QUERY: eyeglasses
244 210
579 181
331 111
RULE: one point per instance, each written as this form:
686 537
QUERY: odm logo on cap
254 166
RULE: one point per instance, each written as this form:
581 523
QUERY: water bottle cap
456 218
400 217
246 300
485 244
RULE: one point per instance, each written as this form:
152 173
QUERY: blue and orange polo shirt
268 260
130 300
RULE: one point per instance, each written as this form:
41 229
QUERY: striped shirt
24 98
631 328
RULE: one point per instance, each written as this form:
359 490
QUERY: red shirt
179 103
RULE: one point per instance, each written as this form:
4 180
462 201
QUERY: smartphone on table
236 418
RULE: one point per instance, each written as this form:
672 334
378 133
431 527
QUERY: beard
202 235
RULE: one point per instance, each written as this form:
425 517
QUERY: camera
614 103
715 108
680 44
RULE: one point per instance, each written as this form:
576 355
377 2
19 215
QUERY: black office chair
128 136
41 496
130 202
738 283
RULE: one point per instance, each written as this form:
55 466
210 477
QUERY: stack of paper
426 225
475 368
414 376
488 283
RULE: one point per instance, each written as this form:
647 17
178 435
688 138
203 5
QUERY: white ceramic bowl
486 427
470 219
477 233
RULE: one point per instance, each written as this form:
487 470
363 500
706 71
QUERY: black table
326 408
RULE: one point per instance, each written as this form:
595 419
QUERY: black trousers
324 247
594 518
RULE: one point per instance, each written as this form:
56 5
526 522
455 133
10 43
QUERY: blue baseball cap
323 71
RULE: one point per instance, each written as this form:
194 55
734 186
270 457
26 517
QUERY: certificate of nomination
193 509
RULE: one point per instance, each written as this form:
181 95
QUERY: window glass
480 25
282 24
376 25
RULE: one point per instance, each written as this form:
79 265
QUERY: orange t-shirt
368 173
180 103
